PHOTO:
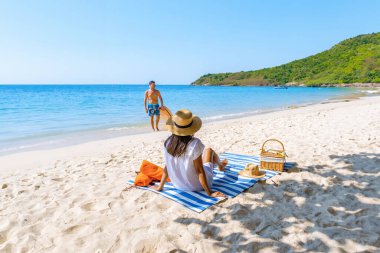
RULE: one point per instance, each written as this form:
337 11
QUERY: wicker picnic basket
272 159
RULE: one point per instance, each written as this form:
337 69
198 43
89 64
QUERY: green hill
355 60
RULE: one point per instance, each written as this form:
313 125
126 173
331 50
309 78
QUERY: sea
44 116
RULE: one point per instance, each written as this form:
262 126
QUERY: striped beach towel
228 182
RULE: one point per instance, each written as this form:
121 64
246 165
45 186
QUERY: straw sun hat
252 171
183 123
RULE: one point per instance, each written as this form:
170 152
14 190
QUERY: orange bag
149 172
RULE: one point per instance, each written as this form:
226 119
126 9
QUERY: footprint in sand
57 179
112 204
144 197
74 229
88 207
3 238
4 186
80 242
108 193
21 192
162 225
100 206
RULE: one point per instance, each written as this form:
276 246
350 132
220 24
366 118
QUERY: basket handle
282 145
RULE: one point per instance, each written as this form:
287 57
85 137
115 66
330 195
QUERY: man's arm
145 97
162 101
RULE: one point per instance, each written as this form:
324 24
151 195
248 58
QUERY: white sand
72 199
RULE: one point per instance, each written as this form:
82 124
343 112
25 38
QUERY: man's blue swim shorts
153 109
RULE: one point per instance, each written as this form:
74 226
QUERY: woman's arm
198 165
163 180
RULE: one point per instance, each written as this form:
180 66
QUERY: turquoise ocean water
36 116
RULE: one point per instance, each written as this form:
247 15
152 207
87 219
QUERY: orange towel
142 180
148 173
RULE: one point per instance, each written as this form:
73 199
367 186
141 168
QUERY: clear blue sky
172 42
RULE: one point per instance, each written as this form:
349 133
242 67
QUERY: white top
181 169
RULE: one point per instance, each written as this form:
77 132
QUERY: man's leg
209 156
152 121
157 120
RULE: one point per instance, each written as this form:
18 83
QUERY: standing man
153 107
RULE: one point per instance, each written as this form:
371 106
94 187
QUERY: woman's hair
176 145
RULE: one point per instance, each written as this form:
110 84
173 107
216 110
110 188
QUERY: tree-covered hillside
355 60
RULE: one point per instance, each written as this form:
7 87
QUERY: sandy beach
76 199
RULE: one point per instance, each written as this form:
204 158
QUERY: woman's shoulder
196 144
195 141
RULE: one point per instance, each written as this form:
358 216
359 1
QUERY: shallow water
38 115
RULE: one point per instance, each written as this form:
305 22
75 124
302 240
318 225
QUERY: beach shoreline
76 198
51 141
77 139
144 133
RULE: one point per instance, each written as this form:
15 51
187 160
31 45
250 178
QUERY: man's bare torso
152 96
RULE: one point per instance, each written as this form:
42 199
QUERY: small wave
22 147
118 128
370 91
228 116
129 127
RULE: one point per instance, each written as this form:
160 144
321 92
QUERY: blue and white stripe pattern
228 182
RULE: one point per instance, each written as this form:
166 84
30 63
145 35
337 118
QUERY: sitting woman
188 163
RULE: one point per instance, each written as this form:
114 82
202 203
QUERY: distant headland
354 62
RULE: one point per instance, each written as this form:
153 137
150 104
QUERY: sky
171 42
